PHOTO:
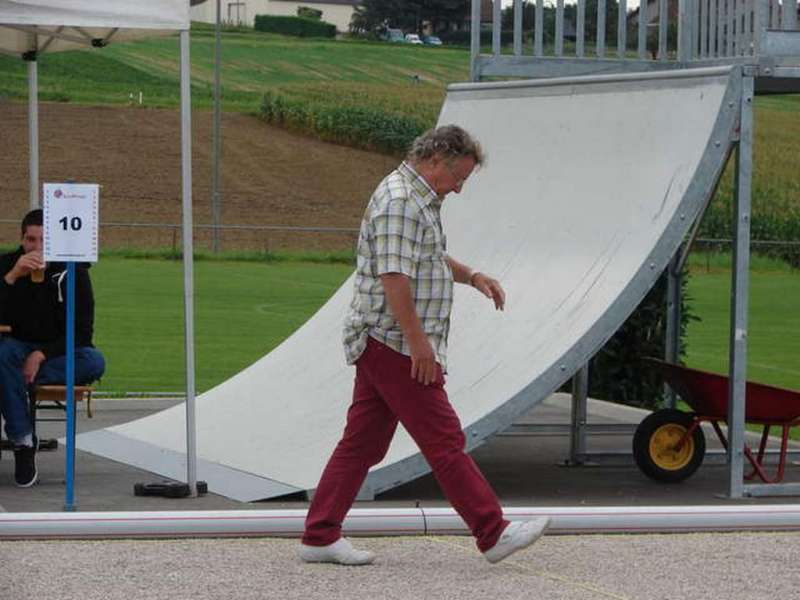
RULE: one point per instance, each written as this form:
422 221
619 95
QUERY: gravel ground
743 566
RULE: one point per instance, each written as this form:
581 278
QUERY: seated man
33 303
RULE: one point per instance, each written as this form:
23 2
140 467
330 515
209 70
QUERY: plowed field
270 177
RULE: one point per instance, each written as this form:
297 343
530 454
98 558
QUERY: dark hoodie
36 312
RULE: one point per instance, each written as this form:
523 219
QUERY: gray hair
448 142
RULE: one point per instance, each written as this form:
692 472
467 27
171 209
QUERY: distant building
243 12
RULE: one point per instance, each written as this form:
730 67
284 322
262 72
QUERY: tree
375 16
570 14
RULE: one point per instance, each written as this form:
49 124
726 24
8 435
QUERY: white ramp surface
590 185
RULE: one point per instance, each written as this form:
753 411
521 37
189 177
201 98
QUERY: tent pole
33 132
188 261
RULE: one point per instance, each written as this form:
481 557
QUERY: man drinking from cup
32 303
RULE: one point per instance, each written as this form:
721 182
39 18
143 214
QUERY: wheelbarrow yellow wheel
662 449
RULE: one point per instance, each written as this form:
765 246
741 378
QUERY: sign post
70 236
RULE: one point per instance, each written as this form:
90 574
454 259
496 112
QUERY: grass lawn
242 311
245 308
774 320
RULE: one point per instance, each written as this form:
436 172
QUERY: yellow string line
544 574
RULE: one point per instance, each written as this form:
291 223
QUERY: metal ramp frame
268 431
762 40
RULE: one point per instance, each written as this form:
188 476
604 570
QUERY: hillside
253 63
339 90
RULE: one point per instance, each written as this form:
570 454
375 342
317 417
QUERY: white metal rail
699 30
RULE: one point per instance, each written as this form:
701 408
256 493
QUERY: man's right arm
398 295
22 267
5 285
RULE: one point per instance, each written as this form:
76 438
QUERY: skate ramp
590 186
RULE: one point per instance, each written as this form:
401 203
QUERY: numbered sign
70 222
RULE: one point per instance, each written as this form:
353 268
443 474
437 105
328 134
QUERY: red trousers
384 394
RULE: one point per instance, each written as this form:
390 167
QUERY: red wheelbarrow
669 444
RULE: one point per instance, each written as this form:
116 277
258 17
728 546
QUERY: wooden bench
55 397
50 397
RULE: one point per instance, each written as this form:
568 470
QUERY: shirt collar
418 183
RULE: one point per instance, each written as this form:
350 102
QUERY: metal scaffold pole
739 291
672 349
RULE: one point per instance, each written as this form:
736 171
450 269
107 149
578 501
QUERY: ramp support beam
579 415
739 289
475 40
672 340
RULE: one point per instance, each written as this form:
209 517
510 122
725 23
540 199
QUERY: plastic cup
37 275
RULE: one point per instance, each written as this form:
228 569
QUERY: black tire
652 446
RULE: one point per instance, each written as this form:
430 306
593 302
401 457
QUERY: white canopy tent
31 27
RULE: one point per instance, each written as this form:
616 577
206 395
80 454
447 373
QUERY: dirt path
269 176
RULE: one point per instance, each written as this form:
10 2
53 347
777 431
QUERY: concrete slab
524 470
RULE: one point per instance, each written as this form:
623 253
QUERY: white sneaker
516 536
340 552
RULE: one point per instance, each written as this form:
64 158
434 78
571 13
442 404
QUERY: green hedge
353 125
296 26
618 372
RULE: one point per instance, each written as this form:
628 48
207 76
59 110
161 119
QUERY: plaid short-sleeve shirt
401 232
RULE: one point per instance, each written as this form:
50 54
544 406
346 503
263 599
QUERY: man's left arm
5 288
84 316
486 285
84 327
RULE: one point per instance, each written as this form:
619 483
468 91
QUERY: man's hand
490 288
423 361
486 285
24 265
31 366
398 295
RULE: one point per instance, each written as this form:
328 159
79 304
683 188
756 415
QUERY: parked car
432 40
393 35
413 38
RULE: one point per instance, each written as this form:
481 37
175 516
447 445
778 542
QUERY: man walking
396 335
